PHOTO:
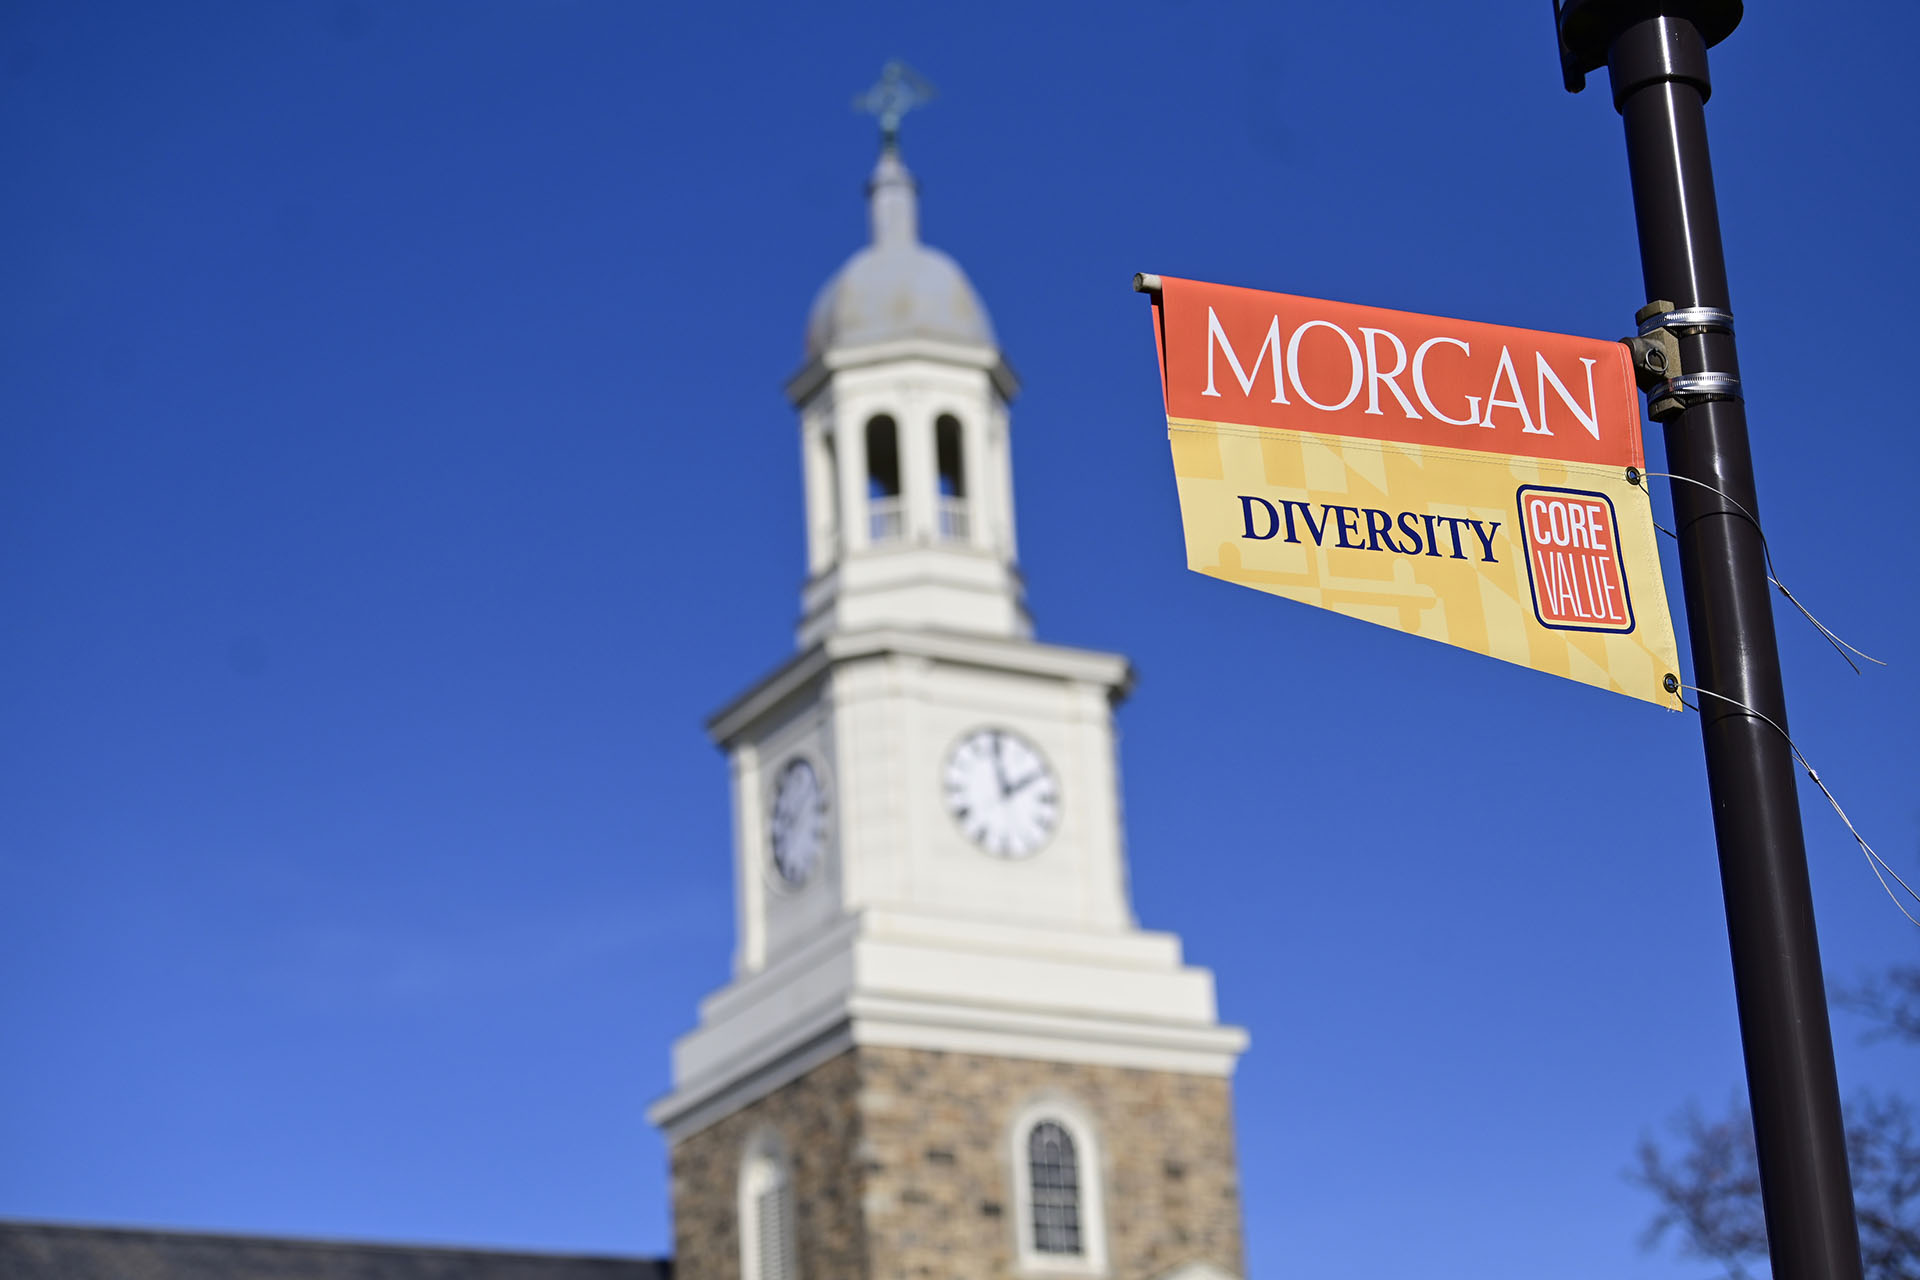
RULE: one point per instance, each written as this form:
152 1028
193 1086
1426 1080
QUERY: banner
1464 482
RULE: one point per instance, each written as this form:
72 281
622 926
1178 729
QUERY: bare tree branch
1884 1151
1710 1192
1892 1000
1708 1188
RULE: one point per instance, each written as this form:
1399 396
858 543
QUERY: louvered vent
773 1212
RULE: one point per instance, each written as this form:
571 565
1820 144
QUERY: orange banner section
1332 459
1333 368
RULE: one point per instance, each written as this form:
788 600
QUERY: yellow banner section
1550 564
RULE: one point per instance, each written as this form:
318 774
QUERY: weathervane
899 90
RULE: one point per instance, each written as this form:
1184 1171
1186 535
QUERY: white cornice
784 680
911 980
1024 657
685 1112
813 375
890 1022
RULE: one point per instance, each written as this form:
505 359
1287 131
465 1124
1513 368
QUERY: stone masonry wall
939 1177
816 1119
903 1168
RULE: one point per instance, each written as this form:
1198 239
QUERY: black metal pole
1658 68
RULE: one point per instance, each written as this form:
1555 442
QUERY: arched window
1059 1224
766 1214
1054 1174
950 457
885 519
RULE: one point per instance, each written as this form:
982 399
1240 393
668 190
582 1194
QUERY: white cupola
896 287
903 417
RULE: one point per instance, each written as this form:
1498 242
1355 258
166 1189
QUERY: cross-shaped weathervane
900 90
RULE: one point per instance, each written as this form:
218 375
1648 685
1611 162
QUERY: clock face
799 822
1002 793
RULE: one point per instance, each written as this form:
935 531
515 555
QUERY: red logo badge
1573 560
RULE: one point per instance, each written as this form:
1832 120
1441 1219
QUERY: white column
749 886
977 468
1002 472
917 485
822 487
851 420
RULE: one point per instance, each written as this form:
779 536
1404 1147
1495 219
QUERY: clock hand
1016 788
1000 765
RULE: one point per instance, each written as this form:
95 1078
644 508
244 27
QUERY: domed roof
896 287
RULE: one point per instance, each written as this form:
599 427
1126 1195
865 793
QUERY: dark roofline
304 1242
20 1230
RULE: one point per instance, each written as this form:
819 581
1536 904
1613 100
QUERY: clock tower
948 1049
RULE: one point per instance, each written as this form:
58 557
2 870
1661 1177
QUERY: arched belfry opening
886 516
949 450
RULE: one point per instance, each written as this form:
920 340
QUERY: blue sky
395 472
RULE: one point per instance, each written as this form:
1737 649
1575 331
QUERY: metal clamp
1695 386
1656 358
1701 318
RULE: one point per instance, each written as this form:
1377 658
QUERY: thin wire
1880 867
1840 646
1831 638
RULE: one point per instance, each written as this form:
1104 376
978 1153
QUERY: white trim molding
1090 1178
765 1171
898 979
1198 1271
